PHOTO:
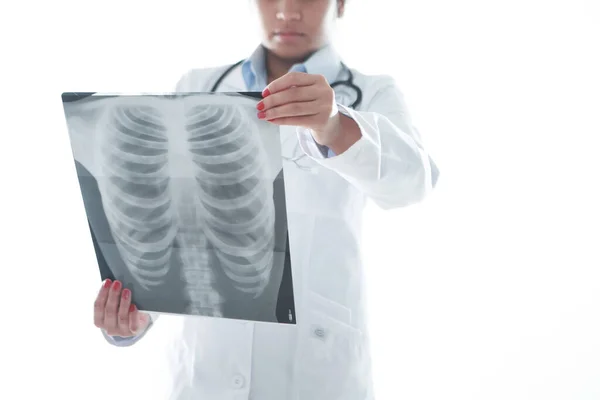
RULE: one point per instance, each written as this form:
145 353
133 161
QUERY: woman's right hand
116 314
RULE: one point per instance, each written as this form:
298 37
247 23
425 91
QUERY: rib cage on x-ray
147 161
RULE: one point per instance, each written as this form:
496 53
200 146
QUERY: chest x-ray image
185 200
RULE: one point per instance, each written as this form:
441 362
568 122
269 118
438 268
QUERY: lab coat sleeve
120 341
388 163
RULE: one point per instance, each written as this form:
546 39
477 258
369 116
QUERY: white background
488 290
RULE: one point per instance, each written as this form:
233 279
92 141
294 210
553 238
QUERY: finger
137 320
112 306
100 303
291 79
293 94
301 109
134 315
123 313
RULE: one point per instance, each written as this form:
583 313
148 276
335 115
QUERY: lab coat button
319 332
238 381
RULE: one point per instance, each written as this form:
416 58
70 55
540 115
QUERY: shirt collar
326 61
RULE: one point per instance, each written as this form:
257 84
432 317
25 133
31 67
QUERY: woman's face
294 28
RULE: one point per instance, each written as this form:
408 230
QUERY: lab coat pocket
330 359
327 307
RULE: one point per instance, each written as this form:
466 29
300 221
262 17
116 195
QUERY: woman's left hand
305 100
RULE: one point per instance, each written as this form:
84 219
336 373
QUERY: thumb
138 320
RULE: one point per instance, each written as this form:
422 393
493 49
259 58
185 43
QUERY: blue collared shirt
325 61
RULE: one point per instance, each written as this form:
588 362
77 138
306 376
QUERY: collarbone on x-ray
189 178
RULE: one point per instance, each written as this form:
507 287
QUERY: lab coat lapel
234 82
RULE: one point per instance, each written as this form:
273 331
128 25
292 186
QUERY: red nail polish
266 92
261 115
131 307
116 285
260 106
107 283
126 293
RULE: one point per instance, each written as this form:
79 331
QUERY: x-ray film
185 199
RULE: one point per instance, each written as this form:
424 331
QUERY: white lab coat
327 352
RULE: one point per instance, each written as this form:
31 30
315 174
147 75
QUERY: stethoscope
340 87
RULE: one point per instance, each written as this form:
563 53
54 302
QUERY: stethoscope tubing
348 82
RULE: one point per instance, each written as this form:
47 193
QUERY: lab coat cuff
360 162
121 341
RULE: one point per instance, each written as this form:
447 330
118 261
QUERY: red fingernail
131 307
266 92
107 283
261 115
116 285
260 106
126 293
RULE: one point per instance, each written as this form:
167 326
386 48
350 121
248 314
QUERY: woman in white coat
345 146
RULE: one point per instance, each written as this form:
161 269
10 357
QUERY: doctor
350 139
